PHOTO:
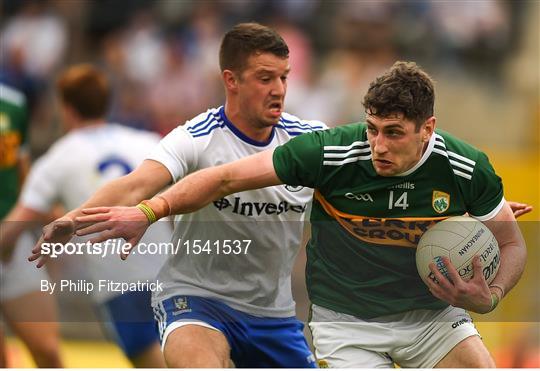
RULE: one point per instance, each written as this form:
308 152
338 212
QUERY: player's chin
385 171
271 120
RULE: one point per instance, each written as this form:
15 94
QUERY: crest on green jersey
440 201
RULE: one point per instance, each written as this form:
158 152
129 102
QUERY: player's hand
519 208
128 223
473 295
59 231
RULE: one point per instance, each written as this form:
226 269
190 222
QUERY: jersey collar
241 135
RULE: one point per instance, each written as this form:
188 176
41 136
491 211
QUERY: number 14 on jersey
400 201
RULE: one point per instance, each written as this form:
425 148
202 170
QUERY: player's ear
69 116
230 80
428 128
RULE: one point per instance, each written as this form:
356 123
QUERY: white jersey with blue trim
73 169
239 249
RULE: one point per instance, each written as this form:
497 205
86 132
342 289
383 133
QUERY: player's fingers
436 290
93 228
37 247
93 218
523 211
96 210
432 283
451 271
42 261
441 278
478 275
34 256
47 232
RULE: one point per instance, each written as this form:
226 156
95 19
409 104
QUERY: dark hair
246 39
405 89
85 89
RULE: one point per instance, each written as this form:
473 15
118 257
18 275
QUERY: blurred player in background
92 153
30 314
218 307
374 182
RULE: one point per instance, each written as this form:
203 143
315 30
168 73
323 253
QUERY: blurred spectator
33 43
144 48
475 33
37 36
178 92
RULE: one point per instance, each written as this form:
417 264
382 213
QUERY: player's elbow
517 250
224 181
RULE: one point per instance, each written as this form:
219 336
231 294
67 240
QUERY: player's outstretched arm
199 189
144 182
475 295
192 193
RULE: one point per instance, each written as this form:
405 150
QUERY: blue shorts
129 320
254 341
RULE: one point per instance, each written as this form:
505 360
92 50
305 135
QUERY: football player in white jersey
90 154
227 292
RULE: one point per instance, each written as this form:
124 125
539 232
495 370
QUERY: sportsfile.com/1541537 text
118 246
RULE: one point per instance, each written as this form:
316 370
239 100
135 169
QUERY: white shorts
19 276
415 339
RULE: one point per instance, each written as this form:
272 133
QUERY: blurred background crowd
162 57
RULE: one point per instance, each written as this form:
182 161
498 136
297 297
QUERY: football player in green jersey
22 299
378 186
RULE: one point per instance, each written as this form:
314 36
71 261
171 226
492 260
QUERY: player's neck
257 133
83 124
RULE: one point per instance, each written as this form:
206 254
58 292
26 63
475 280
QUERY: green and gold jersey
365 227
13 127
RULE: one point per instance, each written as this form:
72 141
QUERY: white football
460 238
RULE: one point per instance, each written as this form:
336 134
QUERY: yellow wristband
159 206
148 212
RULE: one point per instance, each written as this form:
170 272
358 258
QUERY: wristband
494 285
150 215
155 208
494 301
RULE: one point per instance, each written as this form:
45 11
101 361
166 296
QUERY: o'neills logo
258 208
404 185
460 322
